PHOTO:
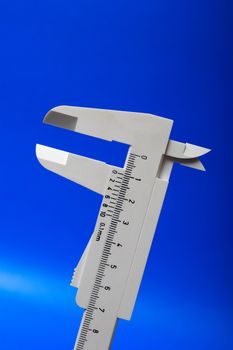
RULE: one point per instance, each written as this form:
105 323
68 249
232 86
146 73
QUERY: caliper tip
193 151
49 154
85 171
182 150
194 163
58 117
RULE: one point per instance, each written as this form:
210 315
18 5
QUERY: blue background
170 58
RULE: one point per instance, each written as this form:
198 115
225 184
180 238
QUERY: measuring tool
110 271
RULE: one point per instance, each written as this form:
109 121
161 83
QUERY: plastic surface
109 273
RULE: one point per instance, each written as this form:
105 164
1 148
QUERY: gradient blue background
170 58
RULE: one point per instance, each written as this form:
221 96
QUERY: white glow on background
36 286
14 282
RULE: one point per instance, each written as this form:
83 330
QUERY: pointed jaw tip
58 117
52 155
193 151
193 163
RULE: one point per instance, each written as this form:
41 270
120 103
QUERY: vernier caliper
110 271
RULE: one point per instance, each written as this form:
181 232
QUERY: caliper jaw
87 172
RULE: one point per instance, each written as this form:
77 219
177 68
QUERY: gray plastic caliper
110 271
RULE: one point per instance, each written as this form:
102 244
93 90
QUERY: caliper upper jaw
105 124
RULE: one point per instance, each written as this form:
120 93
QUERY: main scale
110 271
